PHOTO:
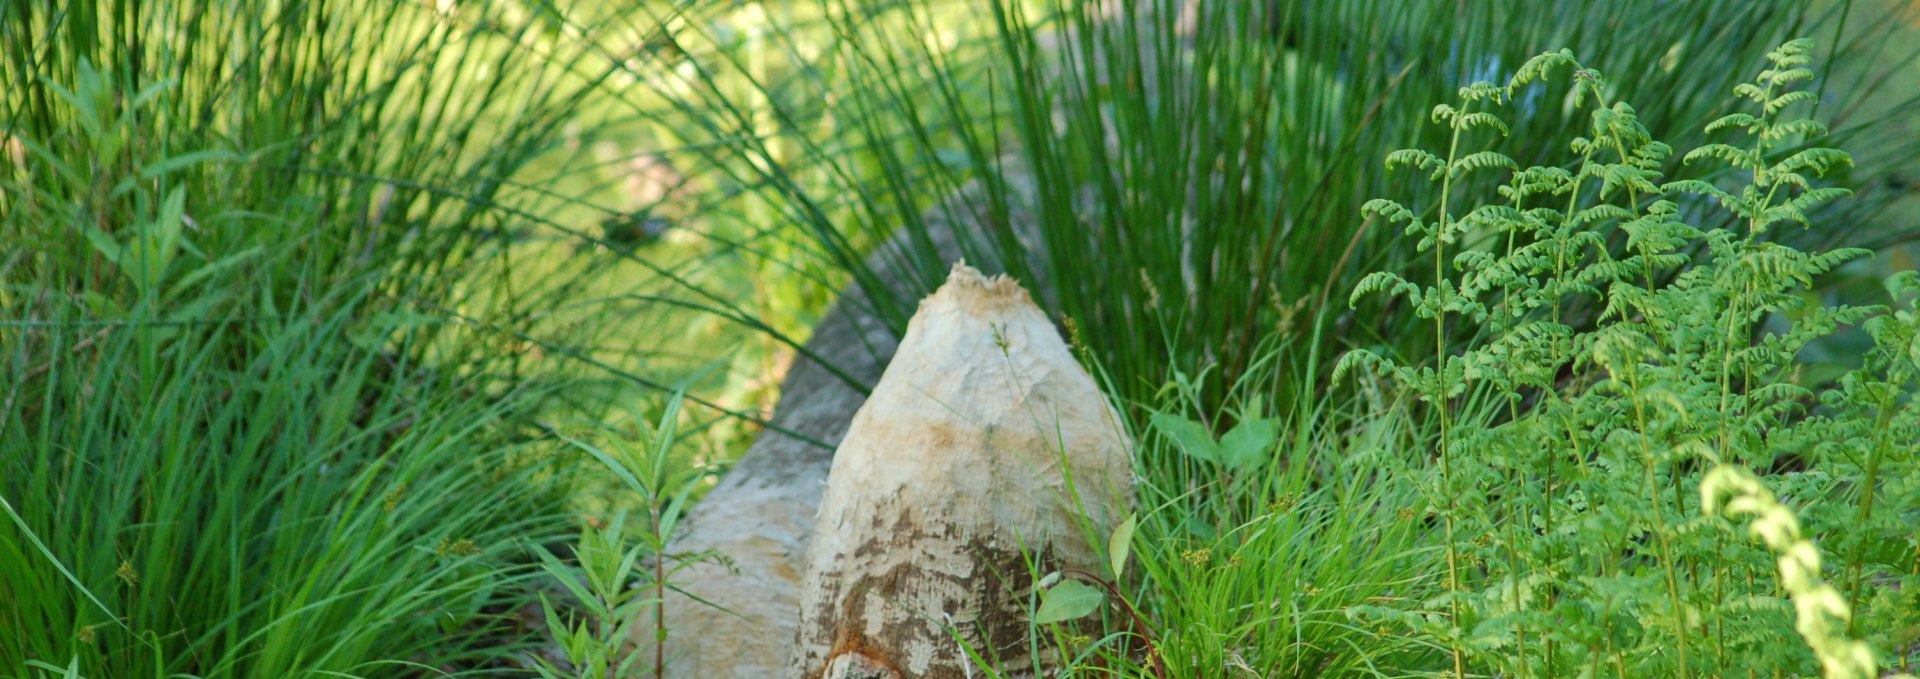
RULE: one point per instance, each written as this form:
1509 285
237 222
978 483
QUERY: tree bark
985 458
737 617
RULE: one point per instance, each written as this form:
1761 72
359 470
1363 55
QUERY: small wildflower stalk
1821 613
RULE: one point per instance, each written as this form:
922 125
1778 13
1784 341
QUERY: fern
1619 347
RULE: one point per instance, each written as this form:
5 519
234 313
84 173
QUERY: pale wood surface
951 488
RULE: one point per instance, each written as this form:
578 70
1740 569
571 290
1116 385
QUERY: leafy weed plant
608 604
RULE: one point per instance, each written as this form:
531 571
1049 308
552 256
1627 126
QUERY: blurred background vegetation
295 294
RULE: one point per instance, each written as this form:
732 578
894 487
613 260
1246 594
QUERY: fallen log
985 458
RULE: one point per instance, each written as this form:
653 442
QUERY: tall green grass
1192 173
301 290
277 341
1188 189
1672 493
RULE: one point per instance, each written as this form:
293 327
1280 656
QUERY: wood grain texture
952 482
738 620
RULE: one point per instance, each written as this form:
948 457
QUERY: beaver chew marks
951 476
859 666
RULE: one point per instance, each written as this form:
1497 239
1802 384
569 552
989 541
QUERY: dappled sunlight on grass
328 325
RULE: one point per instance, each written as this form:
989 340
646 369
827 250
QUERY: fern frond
1828 261
1817 197
1651 155
1472 260
1804 127
1791 53
1782 77
1793 179
1775 104
1481 119
1820 610
1784 212
1819 159
1587 82
1393 211
1741 119
1482 91
1781 392
1492 214
1699 188
1362 358
1628 333
1419 159
1385 282
1622 344
1734 156
1599 212
1482 160
1623 297
1537 67
1616 176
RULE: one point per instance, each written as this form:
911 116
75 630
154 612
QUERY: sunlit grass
300 292
267 401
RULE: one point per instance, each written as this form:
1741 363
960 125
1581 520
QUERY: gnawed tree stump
738 619
949 479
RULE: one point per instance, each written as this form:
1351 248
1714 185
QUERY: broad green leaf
1245 446
1200 529
1192 438
166 230
1069 600
1120 545
104 244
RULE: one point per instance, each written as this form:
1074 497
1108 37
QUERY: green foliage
268 390
1621 344
284 315
1120 547
1250 571
609 605
1067 600
1186 178
1241 450
1820 612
